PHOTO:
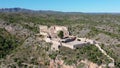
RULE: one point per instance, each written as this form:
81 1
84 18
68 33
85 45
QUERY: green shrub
60 34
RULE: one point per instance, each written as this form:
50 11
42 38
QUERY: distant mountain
15 10
23 10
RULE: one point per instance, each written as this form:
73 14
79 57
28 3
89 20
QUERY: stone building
43 29
53 31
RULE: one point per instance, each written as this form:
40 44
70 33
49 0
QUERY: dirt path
98 46
104 52
110 64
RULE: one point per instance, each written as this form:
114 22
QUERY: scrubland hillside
20 48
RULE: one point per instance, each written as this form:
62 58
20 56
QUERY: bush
53 56
60 34
7 43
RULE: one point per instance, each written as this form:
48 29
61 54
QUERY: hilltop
20 48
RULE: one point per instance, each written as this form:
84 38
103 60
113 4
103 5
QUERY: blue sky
65 5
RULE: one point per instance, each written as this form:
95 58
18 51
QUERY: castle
51 35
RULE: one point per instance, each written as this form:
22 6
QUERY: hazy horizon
87 6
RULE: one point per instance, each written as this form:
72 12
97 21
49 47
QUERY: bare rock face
59 63
89 64
9 29
111 65
92 65
18 30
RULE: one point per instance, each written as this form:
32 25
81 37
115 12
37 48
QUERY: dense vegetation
89 52
8 43
113 53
